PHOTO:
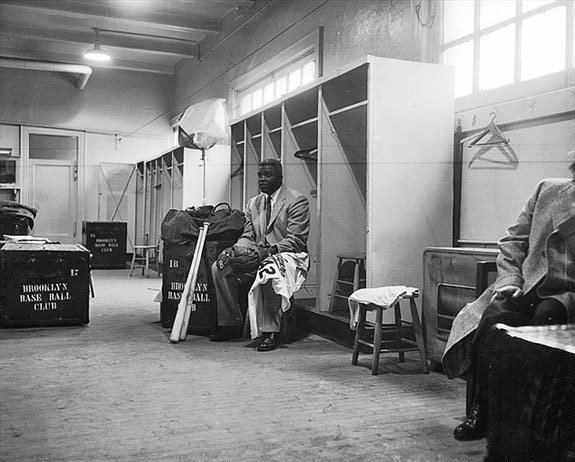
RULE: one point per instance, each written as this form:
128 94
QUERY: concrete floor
118 390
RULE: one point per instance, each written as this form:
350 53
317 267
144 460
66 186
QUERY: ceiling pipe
84 71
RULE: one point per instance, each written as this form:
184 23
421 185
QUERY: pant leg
270 312
506 311
229 313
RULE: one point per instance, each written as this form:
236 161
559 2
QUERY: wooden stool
341 286
400 341
144 261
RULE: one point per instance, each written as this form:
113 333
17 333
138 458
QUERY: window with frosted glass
257 98
246 103
497 58
543 54
458 17
53 147
288 79
294 80
494 43
268 93
308 72
461 57
493 12
528 5
281 87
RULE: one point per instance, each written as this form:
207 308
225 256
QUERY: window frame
518 88
305 50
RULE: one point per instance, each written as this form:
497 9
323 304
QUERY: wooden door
52 182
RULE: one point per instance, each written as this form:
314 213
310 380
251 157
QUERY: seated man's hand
504 292
244 260
265 251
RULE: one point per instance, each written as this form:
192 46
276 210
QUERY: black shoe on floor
223 333
473 428
270 341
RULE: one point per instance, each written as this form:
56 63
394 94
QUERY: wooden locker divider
374 145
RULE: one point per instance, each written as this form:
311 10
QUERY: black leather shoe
473 428
270 341
223 333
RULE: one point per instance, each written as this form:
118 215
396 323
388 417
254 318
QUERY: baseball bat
191 306
188 287
194 267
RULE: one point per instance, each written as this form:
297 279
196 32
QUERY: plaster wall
124 116
113 100
351 29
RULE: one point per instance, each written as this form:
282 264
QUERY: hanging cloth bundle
203 125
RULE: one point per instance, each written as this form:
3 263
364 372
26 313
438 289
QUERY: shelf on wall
302 107
346 89
273 118
348 108
254 125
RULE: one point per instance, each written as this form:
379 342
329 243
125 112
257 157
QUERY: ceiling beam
164 45
187 3
92 12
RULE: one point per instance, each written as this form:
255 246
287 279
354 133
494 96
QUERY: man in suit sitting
277 220
535 286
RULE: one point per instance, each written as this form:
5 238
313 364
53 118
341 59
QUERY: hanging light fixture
96 53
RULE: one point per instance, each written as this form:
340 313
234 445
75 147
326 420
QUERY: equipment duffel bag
183 226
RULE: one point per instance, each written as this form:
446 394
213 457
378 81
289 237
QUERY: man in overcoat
277 221
535 285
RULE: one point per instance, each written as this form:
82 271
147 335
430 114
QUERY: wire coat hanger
498 138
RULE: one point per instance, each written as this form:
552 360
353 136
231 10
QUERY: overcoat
288 227
536 253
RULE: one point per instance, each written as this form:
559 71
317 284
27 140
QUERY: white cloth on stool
287 272
381 296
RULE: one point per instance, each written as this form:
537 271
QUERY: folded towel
380 296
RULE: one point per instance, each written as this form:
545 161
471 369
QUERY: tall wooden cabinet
371 147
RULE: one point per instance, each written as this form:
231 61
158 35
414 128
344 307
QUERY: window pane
461 57
457 19
7 170
257 98
294 80
497 58
308 73
529 5
494 11
246 104
53 147
543 44
269 93
281 86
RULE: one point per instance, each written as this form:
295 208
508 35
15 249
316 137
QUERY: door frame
25 132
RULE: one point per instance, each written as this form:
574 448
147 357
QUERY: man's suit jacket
535 247
289 222
536 253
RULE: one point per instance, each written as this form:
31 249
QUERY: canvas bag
183 226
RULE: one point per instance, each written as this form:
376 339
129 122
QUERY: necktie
268 209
